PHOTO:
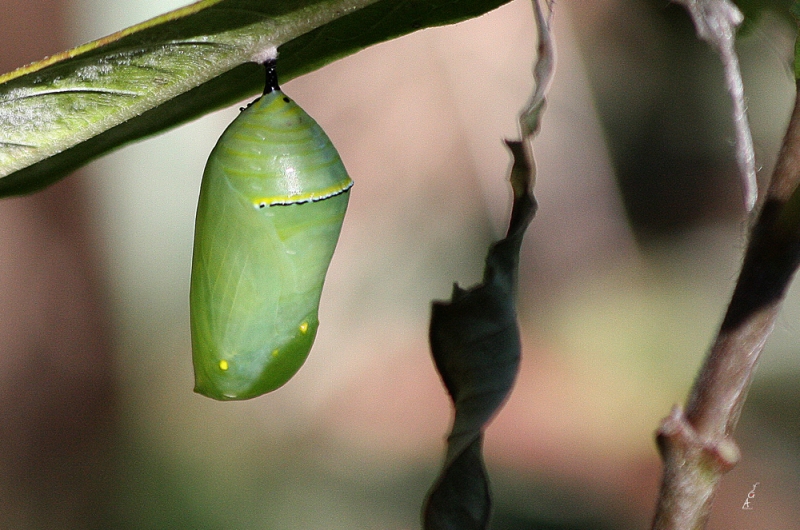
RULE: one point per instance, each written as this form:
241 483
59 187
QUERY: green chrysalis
272 202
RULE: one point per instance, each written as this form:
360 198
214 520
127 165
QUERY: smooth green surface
58 114
271 207
796 14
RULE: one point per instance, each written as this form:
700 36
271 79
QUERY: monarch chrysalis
272 203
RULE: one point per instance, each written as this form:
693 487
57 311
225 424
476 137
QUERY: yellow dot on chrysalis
303 327
223 365
274 353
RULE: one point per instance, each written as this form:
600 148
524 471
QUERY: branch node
679 443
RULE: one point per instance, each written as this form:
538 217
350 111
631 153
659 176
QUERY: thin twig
716 22
543 71
697 447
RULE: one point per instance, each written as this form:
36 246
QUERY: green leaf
59 113
796 15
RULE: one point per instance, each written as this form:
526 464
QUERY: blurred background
626 271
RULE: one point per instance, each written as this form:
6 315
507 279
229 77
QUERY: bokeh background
625 275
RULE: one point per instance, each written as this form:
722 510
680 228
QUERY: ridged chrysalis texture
272 203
